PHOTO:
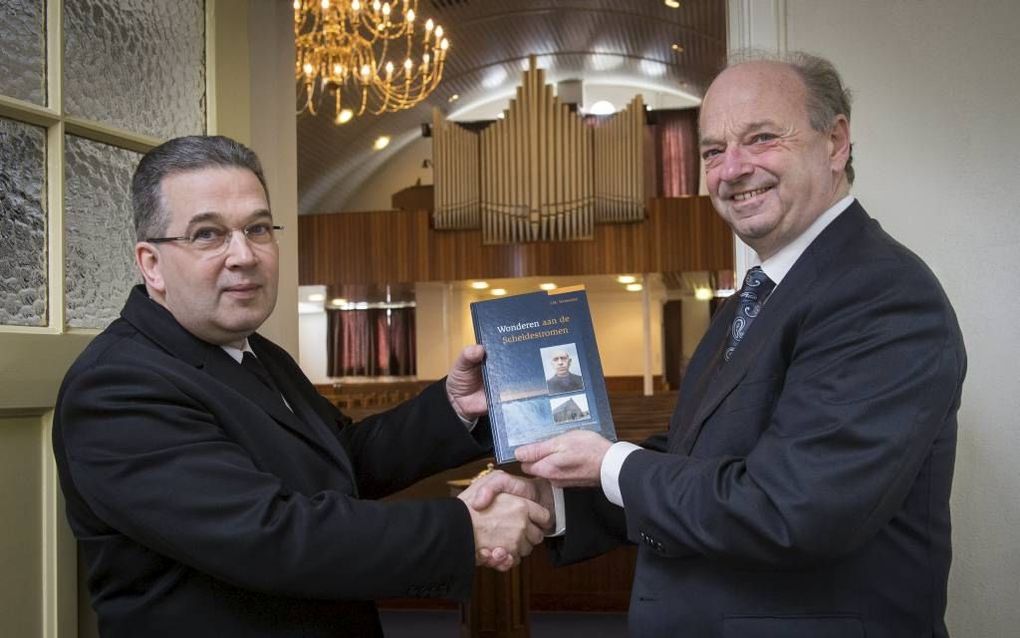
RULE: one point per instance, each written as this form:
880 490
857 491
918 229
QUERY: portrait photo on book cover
562 371
571 407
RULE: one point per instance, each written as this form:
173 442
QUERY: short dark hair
827 96
178 155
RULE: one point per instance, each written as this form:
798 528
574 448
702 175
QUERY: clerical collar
237 354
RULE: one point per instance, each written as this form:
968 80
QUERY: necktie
753 294
252 364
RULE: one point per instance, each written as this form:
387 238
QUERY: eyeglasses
213 240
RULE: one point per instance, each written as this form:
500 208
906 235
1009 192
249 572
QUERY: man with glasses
212 490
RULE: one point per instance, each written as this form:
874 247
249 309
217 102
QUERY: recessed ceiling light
499 292
454 98
634 287
338 301
626 279
679 48
602 107
344 116
382 142
479 285
547 286
703 294
672 4
315 296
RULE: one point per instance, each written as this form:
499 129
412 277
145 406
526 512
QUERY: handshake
511 514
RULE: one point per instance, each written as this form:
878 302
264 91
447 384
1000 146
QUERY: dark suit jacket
803 487
204 507
569 383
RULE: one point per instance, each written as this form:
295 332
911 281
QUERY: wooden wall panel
679 234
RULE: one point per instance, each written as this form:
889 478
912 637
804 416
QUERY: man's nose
239 250
736 163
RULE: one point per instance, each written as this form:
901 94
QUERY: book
542 371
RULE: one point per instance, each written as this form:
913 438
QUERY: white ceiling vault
614 47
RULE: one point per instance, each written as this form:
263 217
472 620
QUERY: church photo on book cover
572 407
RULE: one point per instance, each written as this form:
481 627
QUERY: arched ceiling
609 43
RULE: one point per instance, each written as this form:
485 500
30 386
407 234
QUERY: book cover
542 372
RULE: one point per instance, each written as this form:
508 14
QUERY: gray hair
179 155
827 96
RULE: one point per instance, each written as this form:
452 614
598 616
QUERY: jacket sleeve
869 386
153 464
393 449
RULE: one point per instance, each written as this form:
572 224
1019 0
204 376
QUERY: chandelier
365 56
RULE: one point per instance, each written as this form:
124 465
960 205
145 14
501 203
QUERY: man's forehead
754 90
215 191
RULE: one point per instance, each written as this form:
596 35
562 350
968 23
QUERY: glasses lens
260 233
209 237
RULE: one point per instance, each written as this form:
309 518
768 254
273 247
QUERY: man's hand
508 529
464 386
484 490
573 459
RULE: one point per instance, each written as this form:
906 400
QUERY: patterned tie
753 294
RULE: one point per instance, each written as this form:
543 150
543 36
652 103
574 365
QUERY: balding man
803 486
562 379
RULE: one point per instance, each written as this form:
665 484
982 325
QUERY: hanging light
365 56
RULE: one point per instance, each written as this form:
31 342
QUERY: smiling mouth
746 195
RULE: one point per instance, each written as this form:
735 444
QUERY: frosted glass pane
99 238
22 224
138 65
23 53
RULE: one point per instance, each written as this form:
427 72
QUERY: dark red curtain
375 342
676 150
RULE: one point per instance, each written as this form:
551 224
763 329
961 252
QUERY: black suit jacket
803 487
205 507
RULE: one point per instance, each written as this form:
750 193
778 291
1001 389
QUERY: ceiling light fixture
499 292
367 56
454 98
703 294
547 286
672 4
677 47
479 285
339 301
626 279
634 287
381 142
602 107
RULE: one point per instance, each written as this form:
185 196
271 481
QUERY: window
86 87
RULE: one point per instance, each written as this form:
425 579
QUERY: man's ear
839 144
148 260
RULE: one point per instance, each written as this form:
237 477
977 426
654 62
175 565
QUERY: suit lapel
156 323
310 420
713 384
700 372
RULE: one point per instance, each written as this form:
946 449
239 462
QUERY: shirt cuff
560 512
612 463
